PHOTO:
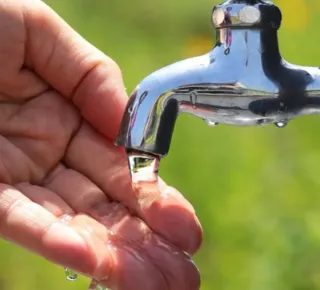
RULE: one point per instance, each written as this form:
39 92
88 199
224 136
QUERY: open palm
61 103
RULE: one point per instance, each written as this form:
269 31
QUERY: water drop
143 167
65 219
281 124
71 276
211 123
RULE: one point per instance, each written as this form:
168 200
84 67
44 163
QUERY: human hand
61 104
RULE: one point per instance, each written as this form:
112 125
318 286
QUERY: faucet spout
242 81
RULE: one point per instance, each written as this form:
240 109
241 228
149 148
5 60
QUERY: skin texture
65 190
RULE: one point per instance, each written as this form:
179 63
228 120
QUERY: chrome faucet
242 81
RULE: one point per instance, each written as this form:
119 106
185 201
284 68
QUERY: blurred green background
256 190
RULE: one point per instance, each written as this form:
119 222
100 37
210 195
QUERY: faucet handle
246 13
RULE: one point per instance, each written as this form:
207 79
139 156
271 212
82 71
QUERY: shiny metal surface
255 13
242 81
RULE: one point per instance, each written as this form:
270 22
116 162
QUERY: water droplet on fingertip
65 219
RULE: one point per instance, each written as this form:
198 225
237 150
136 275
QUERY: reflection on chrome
242 81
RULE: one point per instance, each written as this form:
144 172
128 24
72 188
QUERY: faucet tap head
242 81
245 14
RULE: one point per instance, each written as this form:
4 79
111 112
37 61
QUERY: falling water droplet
71 276
143 167
211 123
281 124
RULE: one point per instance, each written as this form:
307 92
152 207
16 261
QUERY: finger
164 210
16 81
75 68
143 260
46 198
36 229
80 193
